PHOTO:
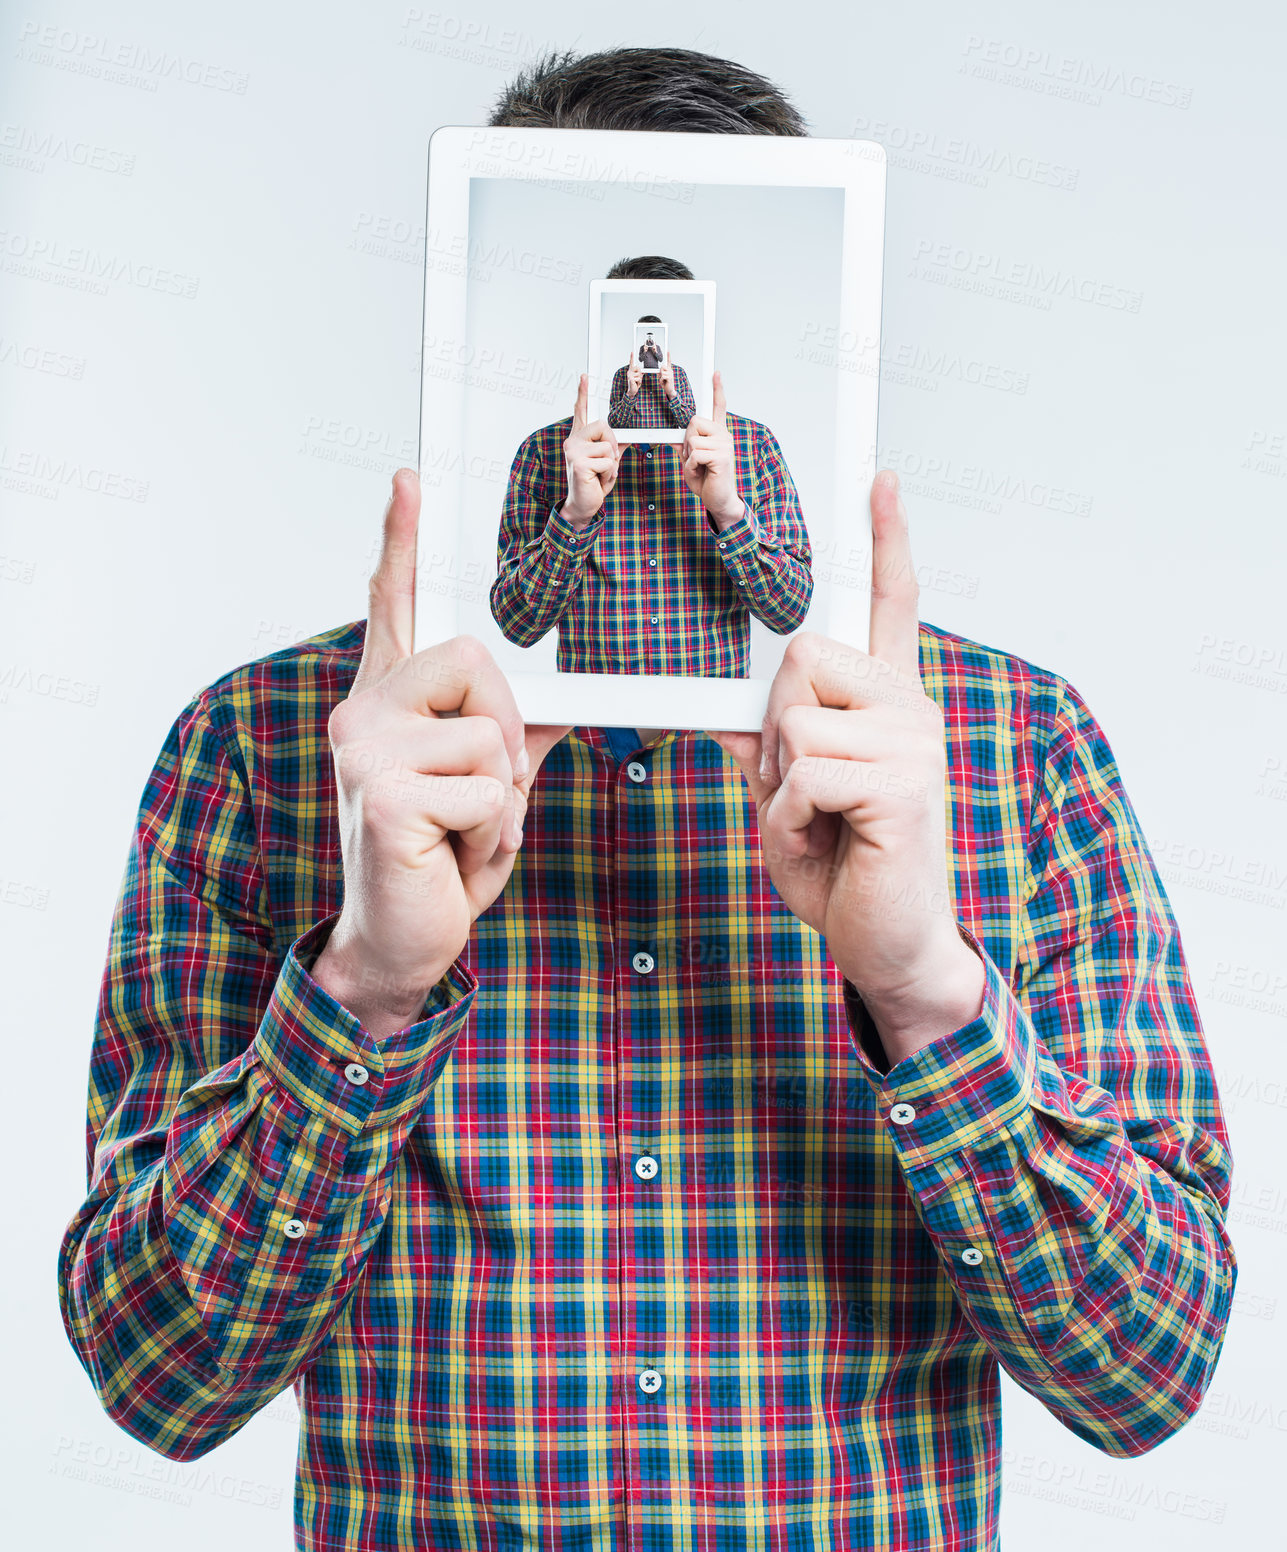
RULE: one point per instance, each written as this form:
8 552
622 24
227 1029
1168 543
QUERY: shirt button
971 1257
293 1228
649 1381
645 1166
723 546
647 455
902 1115
651 507
653 620
355 1072
643 962
636 772
652 562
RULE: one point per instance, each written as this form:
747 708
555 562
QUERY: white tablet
759 256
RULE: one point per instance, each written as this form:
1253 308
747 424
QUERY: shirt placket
647 1372
649 495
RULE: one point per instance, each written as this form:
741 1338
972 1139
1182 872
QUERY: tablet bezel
458 154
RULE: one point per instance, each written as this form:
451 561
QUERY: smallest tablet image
650 343
652 355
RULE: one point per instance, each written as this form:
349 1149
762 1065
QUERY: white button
636 772
971 1257
653 621
649 1381
294 1228
652 562
642 962
647 455
723 546
651 508
901 1115
355 1072
645 1166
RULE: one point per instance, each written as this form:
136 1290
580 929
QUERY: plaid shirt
622 1244
651 586
650 408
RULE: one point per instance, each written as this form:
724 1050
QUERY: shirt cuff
308 1042
569 541
740 536
971 1086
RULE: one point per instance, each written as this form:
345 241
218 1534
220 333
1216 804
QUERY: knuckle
470 651
790 725
802 648
339 724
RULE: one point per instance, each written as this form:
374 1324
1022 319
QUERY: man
660 1154
652 400
651 558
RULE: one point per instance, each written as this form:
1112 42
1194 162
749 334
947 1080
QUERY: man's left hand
848 777
709 463
667 376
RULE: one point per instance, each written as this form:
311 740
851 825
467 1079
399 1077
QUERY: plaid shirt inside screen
650 409
651 586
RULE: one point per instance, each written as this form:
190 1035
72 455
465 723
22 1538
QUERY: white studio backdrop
211 256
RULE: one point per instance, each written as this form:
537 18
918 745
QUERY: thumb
538 739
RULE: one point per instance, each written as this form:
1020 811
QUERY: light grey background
192 480
535 247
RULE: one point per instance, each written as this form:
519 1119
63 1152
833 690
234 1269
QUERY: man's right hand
592 457
634 376
433 768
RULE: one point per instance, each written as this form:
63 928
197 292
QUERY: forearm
681 407
211 1259
1100 1280
537 585
773 580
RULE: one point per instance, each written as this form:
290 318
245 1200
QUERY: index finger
895 592
582 402
718 406
390 622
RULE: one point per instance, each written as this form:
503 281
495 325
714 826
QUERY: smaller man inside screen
649 392
651 558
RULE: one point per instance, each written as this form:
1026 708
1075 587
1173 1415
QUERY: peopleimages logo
128 64
960 154
1066 75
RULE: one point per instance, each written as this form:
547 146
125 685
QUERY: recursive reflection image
651 558
650 392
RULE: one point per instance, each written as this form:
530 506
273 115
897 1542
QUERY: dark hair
648 318
645 88
649 266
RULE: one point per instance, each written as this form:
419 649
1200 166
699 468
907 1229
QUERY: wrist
928 1006
725 516
382 1001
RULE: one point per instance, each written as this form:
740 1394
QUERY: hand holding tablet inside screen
646 557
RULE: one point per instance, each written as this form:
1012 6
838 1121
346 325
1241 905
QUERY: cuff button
902 1115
